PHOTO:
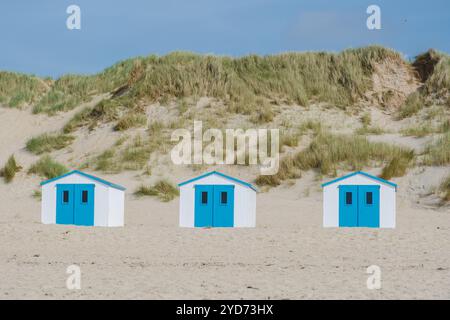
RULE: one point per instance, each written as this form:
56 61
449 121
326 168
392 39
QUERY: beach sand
287 256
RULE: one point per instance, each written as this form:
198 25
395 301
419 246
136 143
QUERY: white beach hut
79 198
217 200
359 200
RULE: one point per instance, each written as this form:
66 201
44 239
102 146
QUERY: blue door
84 204
65 203
75 204
223 213
348 206
359 206
214 206
369 206
204 205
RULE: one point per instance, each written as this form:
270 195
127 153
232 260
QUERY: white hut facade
359 200
77 198
217 200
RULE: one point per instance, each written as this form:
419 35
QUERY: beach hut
217 200
359 200
82 199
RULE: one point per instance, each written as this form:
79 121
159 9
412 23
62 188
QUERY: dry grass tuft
163 189
8 172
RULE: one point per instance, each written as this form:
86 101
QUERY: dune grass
162 189
340 79
263 113
438 152
106 162
288 169
327 153
439 80
398 165
48 168
8 172
129 153
104 111
369 130
78 120
131 120
414 103
246 85
18 90
37 194
366 119
70 90
242 83
444 189
426 129
418 131
290 139
367 127
434 70
48 142
297 77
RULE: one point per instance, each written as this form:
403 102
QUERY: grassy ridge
434 70
244 84
340 79
17 90
71 90
296 77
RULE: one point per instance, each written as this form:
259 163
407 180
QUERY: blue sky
35 39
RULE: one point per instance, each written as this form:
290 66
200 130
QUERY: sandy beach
287 256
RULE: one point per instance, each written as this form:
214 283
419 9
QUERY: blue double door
75 204
214 206
359 206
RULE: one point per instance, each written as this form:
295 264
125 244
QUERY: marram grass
8 172
162 189
328 153
336 78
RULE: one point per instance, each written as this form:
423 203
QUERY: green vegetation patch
17 90
8 172
414 103
48 168
398 165
70 90
444 189
433 69
327 153
438 152
48 142
163 189
427 129
131 120
340 79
